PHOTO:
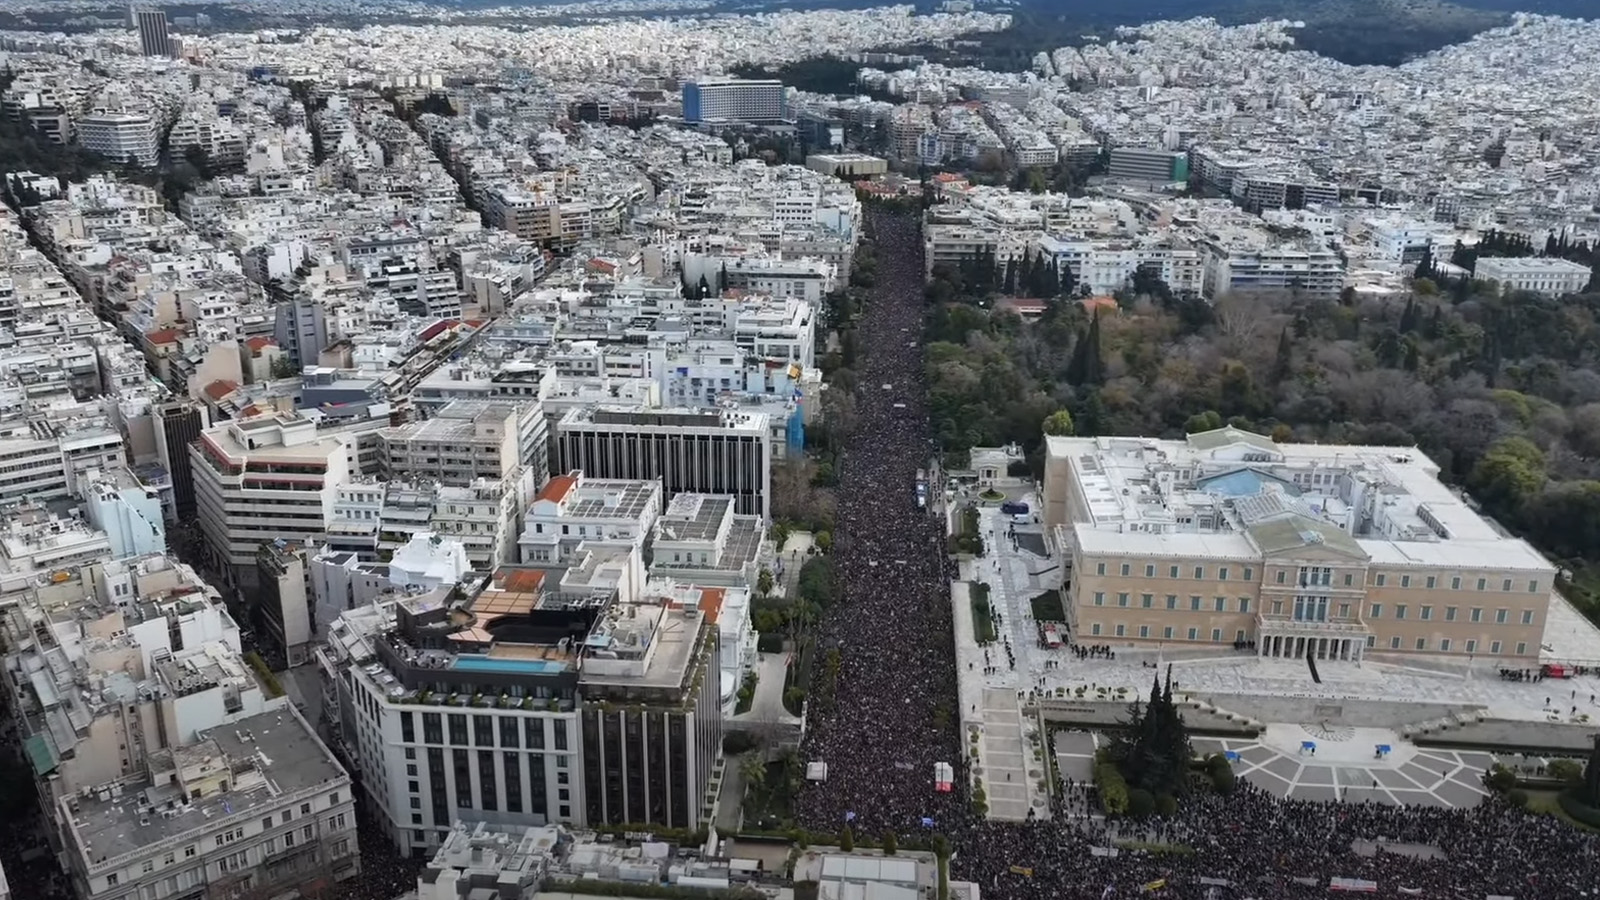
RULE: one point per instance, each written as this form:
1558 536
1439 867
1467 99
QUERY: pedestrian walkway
1005 763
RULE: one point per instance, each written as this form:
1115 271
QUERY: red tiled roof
163 336
519 580
557 488
257 342
436 329
220 388
711 602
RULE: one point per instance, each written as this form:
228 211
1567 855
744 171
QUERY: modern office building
300 325
1147 165
178 424
706 451
121 137
154 39
1333 551
740 100
283 602
263 479
1541 275
517 704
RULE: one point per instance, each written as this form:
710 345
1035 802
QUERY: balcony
1332 627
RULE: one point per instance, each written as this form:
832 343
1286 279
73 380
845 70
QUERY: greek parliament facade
1335 552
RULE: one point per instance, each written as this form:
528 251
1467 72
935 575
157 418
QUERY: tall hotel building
702 451
1330 551
733 100
520 704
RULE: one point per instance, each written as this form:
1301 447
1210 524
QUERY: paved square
1316 775
1411 775
1316 792
1283 767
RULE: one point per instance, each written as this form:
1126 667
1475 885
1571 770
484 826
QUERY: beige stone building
1335 551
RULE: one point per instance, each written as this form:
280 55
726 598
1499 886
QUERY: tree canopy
1500 388
1152 752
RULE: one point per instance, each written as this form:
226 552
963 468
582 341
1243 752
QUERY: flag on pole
927 822
850 816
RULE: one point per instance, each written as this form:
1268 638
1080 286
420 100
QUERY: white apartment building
805 279
44 460
120 136
1105 266
178 776
1264 264
950 245
701 539
1540 275
465 441
482 516
573 510
36 543
261 479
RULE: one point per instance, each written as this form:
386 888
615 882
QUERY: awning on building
40 755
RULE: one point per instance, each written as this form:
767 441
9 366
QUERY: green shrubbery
1221 773
1573 805
269 681
1112 788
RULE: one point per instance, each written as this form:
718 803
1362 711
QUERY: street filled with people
896 708
897 714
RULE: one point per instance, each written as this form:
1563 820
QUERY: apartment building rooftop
1231 494
230 773
599 498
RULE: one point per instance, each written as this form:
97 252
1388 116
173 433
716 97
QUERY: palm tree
753 768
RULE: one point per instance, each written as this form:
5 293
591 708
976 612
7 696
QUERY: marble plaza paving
1344 766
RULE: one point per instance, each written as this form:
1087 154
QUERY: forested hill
1358 32
1503 392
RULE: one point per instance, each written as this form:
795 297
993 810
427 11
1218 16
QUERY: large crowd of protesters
896 707
897 714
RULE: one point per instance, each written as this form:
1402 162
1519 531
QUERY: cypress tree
1284 362
1408 316
1093 366
1591 775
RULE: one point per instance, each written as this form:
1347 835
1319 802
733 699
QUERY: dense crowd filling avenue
892 624
897 714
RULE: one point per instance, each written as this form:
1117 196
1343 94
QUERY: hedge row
1578 809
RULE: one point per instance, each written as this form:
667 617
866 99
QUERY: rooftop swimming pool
514 666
